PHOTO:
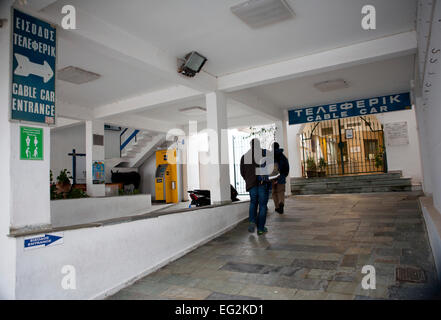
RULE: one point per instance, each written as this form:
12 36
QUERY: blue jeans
259 197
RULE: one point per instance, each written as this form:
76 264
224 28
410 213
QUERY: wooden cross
74 156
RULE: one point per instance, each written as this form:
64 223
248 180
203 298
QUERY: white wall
405 157
429 105
7 245
30 181
424 148
180 174
295 165
63 140
71 212
111 144
110 257
204 171
147 172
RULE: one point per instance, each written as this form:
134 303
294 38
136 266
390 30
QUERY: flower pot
63 187
311 174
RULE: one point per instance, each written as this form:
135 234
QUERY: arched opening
343 146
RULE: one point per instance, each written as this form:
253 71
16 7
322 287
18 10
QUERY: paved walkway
316 250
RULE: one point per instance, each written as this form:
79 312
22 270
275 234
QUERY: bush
322 164
76 194
121 192
379 157
53 187
310 164
64 177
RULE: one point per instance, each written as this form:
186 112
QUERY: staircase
383 182
136 146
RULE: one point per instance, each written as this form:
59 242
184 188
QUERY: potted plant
53 187
311 170
379 156
63 181
322 167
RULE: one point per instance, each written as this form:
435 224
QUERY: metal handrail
130 138
120 135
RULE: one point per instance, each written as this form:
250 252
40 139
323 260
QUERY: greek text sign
31 143
395 102
396 133
43 240
33 69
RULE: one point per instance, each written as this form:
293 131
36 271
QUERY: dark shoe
260 232
281 208
251 227
277 210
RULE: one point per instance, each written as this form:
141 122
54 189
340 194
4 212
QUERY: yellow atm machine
166 177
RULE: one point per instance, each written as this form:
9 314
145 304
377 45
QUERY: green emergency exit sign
31 143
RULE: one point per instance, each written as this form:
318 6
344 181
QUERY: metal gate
343 146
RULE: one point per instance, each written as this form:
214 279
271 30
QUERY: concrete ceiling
209 27
134 45
119 79
371 79
171 113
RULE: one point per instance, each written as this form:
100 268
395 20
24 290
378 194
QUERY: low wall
433 224
112 256
86 210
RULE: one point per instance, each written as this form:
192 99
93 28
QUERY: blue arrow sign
41 241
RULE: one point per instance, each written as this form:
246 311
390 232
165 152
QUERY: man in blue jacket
278 192
257 184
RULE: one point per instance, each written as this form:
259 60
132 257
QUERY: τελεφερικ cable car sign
362 107
33 69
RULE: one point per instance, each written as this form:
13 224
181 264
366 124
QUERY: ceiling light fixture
331 85
76 75
260 13
194 111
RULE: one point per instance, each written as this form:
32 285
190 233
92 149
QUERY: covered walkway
316 250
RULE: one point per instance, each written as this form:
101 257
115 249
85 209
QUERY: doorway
347 146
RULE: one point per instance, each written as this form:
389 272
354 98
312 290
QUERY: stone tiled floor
316 250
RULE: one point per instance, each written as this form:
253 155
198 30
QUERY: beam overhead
256 105
141 123
71 111
119 42
364 52
147 101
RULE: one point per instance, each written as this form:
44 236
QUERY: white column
30 189
282 139
296 155
94 152
425 152
218 147
7 245
192 157
24 187
294 142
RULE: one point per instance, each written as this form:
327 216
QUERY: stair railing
132 136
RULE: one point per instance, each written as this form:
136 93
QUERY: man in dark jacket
257 184
278 192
